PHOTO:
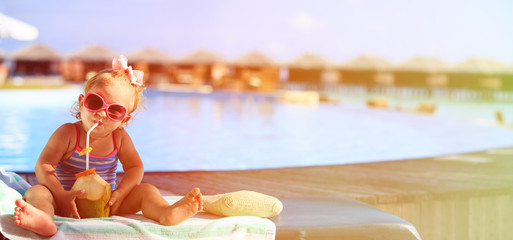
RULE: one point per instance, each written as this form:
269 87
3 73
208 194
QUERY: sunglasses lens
116 112
93 102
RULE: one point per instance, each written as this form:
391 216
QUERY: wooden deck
465 196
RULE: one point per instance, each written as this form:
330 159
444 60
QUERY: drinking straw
87 144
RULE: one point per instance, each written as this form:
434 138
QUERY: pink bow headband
135 76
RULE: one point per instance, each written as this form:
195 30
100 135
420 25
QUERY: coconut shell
97 194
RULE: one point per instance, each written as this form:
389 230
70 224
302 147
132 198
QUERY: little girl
110 97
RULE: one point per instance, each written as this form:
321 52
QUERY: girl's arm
132 166
56 148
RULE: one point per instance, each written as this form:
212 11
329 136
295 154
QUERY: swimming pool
227 131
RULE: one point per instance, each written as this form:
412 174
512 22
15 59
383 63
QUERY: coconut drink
97 195
93 204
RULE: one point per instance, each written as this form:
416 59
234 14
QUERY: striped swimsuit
105 166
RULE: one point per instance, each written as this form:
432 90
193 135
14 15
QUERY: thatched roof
150 55
202 57
424 64
482 65
309 60
35 52
94 53
368 62
254 59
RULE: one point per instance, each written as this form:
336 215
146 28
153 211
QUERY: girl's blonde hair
107 77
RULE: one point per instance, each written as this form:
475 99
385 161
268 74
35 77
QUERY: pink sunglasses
95 102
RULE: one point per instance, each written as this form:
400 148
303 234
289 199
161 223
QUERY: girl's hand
115 201
66 203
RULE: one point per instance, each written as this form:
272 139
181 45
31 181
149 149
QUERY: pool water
228 131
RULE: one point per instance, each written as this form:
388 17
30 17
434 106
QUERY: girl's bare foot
185 208
33 219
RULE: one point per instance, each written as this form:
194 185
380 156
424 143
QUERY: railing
394 91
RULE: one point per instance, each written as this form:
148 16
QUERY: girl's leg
36 214
147 198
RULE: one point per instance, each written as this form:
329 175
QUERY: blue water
226 131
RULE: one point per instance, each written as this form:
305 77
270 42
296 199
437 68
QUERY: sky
339 30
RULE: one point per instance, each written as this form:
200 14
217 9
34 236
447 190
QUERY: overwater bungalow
481 74
154 62
367 70
88 61
254 71
422 72
507 83
2 56
201 67
312 71
4 72
35 60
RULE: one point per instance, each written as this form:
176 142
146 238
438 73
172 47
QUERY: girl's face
114 93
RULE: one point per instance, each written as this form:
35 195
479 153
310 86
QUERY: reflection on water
226 131
27 118
13 140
